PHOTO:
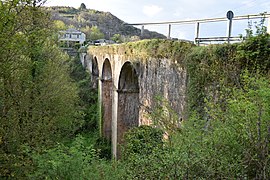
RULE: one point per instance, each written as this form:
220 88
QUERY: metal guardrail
252 16
197 23
219 39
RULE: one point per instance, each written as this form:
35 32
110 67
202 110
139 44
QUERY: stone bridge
130 76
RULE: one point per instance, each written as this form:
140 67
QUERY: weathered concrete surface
161 77
106 100
107 108
137 78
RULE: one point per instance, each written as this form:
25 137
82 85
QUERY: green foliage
59 25
237 137
146 49
38 99
65 162
142 140
105 21
163 116
248 115
155 165
213 67
88 96
67 10
254 52
104 147
95 33
87 31
143 153
78 159
209 69
233 143
117 38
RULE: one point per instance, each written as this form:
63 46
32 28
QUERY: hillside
106 22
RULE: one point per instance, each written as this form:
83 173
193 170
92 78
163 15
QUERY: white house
72 36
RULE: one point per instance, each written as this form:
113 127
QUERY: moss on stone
146 49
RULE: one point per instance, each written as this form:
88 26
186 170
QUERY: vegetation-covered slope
108 24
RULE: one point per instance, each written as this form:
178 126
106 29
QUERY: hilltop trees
82 7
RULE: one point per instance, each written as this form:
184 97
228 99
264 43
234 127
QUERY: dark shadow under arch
107 85
95 72
128 101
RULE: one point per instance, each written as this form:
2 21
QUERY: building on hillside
71 38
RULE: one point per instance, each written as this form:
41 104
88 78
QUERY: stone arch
95 72
107 85
128 101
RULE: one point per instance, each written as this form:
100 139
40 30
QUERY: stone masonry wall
160 77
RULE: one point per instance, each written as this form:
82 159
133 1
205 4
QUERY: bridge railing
198 22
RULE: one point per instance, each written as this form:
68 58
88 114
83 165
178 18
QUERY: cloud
151 10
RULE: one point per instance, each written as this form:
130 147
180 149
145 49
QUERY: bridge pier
114 122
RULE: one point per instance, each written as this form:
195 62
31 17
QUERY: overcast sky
137 11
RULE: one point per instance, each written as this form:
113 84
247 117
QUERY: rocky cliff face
105 21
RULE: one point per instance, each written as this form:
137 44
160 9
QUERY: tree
37 98
87 31
117 38
60 25
82 7
96 33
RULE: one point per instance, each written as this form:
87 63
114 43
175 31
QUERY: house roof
72 30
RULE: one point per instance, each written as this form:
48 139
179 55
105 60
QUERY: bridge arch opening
128 101
107 85
95 72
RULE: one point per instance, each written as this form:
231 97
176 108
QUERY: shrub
233 142
142 140
65 162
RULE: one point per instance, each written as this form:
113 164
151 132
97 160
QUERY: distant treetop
82 6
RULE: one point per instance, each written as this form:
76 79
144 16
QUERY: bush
142 153
78 159
142 140
65 162
233 142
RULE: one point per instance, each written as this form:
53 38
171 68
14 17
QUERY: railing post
169 32
197 33
142 31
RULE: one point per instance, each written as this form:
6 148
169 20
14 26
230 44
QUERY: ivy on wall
214 68
146 49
